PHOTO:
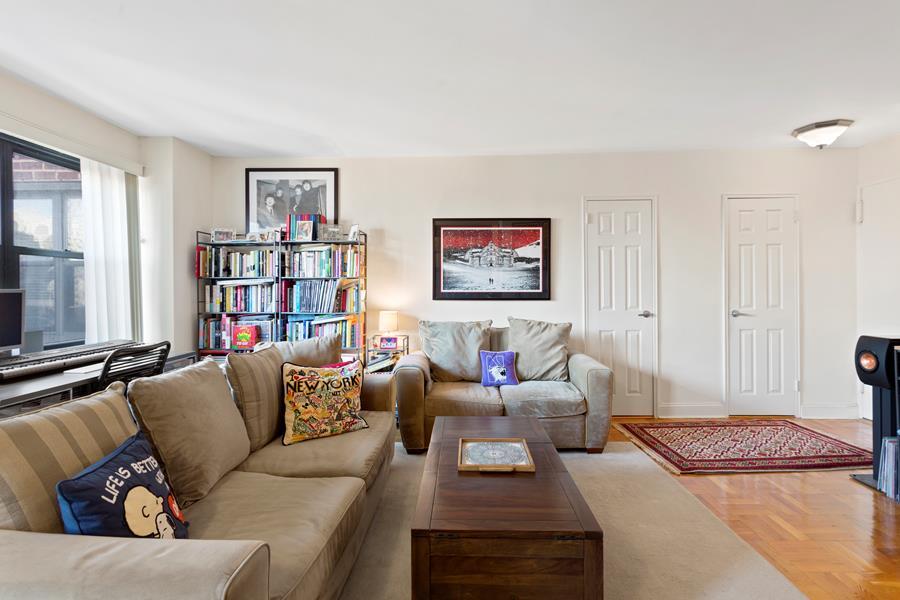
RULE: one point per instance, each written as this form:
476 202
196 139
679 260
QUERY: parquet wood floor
832 537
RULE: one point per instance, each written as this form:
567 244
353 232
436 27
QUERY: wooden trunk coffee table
502 535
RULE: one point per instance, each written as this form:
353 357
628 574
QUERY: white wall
31 113
175 203
878 286
395 200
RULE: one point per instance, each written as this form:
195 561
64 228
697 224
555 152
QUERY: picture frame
388 343
271 194
304 231
220 234
330 233
510 455
353 235
491 259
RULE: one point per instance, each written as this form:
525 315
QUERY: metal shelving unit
282 250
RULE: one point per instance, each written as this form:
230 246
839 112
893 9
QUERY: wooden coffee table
502 535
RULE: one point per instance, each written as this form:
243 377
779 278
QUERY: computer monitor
12 319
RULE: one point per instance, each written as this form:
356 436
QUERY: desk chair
130 363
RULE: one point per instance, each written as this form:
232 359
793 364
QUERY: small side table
384 351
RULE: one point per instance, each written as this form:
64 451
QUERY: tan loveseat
287 522
574 412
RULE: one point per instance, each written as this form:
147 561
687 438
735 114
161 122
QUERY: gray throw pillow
542 349
454 348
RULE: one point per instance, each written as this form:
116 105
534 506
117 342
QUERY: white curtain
107 297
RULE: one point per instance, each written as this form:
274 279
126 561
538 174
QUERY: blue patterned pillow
124 494
498 368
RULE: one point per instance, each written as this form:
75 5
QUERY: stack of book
240 296
325 260
295 231
305 327
217 261
221 333
381 360
889 468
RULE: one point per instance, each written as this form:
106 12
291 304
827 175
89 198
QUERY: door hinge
590 219
859 211
797 385
796 216
446 536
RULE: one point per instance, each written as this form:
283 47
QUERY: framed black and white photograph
491 259
273 194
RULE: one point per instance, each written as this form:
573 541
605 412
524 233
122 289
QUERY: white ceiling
423 77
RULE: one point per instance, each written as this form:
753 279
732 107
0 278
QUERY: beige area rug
659 541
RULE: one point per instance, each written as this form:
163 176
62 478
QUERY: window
41 231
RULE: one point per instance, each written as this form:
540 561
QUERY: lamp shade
822 134
388 320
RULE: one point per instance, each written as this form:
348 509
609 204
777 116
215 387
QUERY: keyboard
59 359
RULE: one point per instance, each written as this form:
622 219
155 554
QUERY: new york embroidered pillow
498 368
321 402
124 494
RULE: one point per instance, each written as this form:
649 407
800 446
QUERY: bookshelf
283 290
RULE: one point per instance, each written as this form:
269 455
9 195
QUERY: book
243 337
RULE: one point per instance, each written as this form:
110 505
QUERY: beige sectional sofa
285 522
574 409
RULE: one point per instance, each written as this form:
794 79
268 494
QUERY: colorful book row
225 262
332 260
320 296
348 327
226 297
234 333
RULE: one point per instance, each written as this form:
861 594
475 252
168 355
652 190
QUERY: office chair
130 363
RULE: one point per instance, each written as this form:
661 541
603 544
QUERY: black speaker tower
876 365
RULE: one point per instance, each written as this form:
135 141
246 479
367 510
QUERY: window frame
10 253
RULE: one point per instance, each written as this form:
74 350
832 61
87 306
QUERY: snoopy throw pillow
498 368
125 494
321 402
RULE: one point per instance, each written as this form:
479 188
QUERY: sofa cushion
313 352
498 368
357 454
255 380
124 494
40 448
306 522
460 398
453 348
321 402
195 427
543 399
542 349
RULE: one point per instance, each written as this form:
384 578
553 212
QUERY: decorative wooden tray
494 455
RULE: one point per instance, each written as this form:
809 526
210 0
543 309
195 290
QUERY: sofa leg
594 450
415 450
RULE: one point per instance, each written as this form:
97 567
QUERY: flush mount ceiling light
822 134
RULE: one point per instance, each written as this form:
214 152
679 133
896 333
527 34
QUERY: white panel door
762 306
620 318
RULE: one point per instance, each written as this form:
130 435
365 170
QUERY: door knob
646 314
736 313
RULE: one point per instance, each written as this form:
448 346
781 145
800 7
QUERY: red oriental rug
743 446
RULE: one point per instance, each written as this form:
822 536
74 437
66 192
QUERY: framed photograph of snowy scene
491 259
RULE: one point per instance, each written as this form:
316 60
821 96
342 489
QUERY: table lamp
388 321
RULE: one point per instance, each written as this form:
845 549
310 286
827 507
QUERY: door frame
654 259
726 301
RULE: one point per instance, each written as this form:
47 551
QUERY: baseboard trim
691 411
829 411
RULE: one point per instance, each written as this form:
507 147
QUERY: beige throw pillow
196 429
255 380
542 348
454 348
313 352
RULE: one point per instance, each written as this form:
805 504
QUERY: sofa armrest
378 392
412 375
43 566
594 380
